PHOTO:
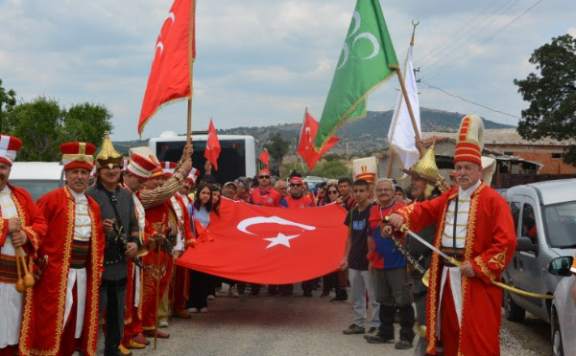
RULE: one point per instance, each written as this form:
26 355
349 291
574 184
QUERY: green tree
277 148
38 124
7 103
86 122
331 169
551 94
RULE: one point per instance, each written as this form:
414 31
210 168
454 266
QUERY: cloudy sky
262 62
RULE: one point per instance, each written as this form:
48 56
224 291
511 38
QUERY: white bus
237 157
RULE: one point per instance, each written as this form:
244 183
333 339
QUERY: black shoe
339 299
403 345
378 339
325 293
307 293
372 330
353 330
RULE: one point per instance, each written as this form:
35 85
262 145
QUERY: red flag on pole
266 245
306 148
171 71
213 148
265 158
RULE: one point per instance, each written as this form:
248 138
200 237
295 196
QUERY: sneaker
378 339
211 297
204 310
353 329
163 323
193 310
403 345
232 292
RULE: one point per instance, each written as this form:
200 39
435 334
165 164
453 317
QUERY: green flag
367 59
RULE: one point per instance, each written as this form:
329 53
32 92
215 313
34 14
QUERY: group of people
470 226
98 253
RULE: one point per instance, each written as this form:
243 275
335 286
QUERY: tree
277 148
331 169
551 94
7 103
38 124
86 122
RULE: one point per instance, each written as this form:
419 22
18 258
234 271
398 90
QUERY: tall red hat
142 162
78 155
470 140
9 147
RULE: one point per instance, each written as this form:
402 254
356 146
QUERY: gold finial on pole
414 25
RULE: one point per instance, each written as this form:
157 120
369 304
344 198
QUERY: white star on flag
280 239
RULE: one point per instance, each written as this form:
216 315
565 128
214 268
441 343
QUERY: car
563 309
37 178
545 217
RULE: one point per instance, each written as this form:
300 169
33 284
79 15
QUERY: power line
468 100
462 54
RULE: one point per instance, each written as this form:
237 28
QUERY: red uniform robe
157 217
181 282
42 324
489 246
34 226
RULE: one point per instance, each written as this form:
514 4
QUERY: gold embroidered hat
108 156
426 167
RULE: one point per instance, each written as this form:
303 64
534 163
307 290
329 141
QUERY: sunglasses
296 185
332 192
264 177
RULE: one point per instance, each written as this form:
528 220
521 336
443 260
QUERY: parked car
563 310
545 218
36 177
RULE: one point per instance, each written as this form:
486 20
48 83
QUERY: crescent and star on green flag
366 60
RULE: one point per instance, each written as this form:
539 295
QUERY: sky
262 62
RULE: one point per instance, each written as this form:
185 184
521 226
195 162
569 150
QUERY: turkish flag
306 148
171 72
213 148
265 158
266 245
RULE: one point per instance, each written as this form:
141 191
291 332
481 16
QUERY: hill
366 135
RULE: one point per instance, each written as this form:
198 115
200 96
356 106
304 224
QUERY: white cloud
261 62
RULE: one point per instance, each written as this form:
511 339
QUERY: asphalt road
264 326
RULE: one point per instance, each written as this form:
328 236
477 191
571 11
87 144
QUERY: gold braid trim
433 290
484 268
61 302
94 287
470 238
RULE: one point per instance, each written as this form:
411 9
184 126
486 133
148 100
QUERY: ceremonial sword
457 263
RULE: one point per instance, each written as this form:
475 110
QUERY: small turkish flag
170 75
306 148
265 158
266 245
213 148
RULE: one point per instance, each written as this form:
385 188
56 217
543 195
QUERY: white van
36 177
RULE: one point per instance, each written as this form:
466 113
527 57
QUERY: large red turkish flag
213 148
270 245
306 148
171 72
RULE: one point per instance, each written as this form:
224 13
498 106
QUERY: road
264 326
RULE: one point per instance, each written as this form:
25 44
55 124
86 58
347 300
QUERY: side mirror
561 266
526 244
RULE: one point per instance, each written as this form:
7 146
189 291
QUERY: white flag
401 134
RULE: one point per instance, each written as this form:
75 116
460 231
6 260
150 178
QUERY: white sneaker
163 323
211 297
193 310
204 310
232 292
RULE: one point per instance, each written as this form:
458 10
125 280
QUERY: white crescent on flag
246 223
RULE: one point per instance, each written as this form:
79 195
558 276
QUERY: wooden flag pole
405 92
390 164
191 45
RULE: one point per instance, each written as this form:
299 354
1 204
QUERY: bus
237 156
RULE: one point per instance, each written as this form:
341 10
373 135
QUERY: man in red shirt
264 195
296 199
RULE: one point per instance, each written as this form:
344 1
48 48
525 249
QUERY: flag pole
390 161
191 45
405 92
